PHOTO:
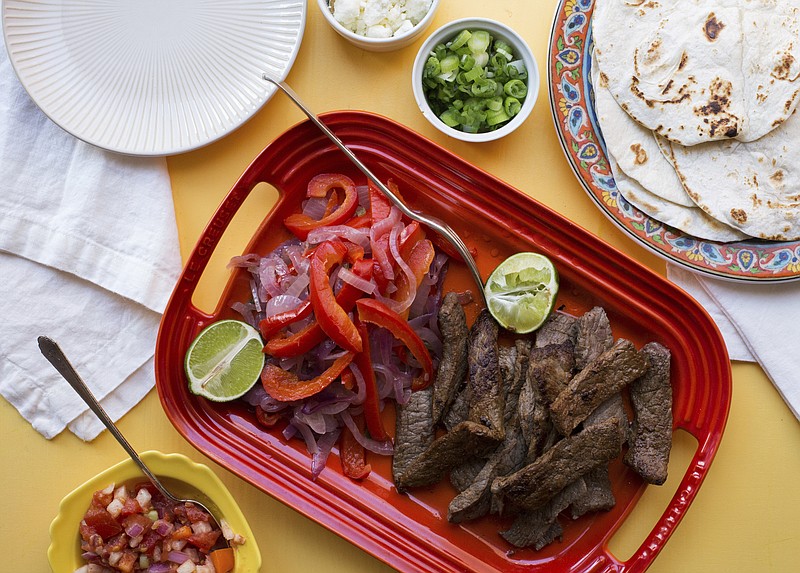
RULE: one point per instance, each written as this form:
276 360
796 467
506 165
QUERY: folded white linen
759 322
89 255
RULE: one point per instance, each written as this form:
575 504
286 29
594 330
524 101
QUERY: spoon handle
56 357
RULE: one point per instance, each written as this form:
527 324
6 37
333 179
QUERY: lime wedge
521 291
224 361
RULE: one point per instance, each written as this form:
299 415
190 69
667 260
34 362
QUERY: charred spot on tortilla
739 215
717 109
683 93
713 27
783 68
640 153
777 177
667 88
684 60
603 80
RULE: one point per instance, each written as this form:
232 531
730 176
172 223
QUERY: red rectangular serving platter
410 532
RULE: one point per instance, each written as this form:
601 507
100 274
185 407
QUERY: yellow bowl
64 552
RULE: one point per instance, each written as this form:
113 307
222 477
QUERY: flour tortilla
634 147
701 70
754 187
691 220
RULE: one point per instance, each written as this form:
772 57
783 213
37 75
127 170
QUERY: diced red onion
162 567
163 527
177 557
383 448
134 529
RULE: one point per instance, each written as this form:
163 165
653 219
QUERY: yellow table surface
745 517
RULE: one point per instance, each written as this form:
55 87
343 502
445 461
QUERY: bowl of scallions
475 79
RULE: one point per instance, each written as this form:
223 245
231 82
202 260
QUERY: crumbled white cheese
380 18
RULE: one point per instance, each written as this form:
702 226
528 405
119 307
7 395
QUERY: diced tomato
149 542
130 507
102 498
195 514
137 519
206 540
102 522
127 561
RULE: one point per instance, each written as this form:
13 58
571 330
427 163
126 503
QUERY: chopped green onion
473 83
479 41
511 106
460 40
516 89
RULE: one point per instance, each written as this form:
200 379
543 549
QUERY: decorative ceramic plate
181 474
572 105
410 532
151 77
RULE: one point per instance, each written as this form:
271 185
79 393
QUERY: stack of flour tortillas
696 103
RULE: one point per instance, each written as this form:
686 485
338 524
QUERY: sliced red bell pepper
419 261
372 410
272 324
375 312
379 204
287 387
301 224
352 454
283 346
331 317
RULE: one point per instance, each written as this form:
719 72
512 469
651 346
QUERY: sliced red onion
320 458
247 311
308 436
298 285
281 303
356 281
331 232
271 270
394 249
361 385
248 261
300 263
363 196
315 207
254 294
382 448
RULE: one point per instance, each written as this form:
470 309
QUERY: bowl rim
63 553
495 27
324 6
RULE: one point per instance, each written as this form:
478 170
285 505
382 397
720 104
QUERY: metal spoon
56 357
436 224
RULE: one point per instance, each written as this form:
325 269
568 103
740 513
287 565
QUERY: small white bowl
498 31
378 44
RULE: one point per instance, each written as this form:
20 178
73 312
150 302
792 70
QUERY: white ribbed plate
151 77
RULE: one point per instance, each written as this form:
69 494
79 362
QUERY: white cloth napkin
89 255
760 323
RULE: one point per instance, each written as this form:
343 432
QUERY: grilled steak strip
474 499
530 528
484 381
463 474
535 484
453 365
651 436
559 327
601 378
465 440
414 431
594 338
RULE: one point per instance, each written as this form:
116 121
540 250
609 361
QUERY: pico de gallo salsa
137 529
